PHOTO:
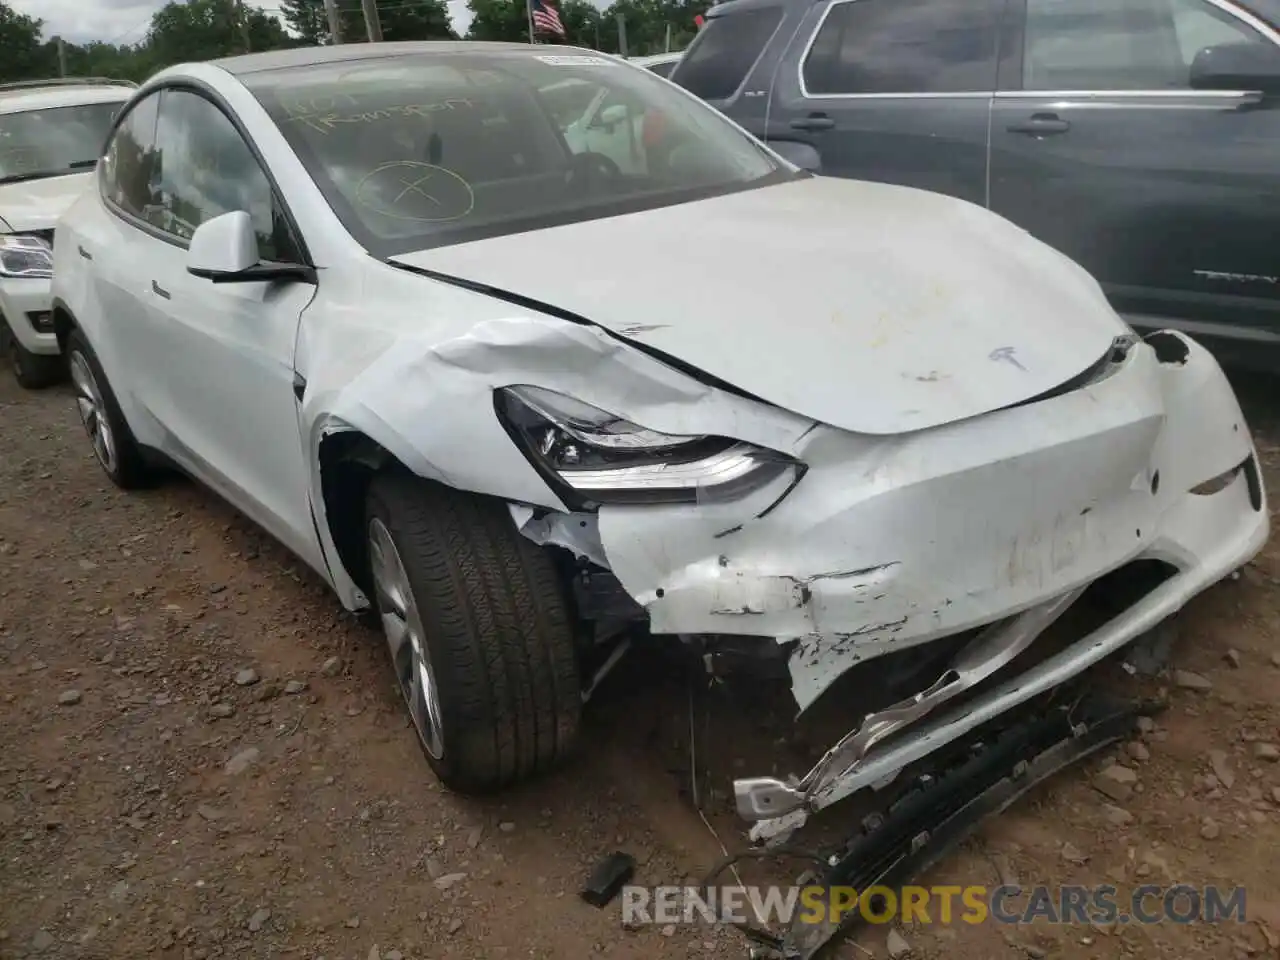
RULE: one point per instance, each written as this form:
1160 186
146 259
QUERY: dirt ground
202 756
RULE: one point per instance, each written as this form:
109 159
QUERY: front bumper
26 306
1000 521
889 542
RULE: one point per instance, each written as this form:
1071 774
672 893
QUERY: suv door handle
1040 125
814 121
159 291
84 253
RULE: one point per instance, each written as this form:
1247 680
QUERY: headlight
602 458
25 257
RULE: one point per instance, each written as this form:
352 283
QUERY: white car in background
660 63
531 407
51 132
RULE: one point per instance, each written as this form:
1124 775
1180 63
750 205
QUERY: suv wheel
34 371
112 440
479 632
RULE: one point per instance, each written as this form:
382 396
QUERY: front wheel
33 371
479 632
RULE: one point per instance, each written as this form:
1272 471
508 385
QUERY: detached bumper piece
1009 757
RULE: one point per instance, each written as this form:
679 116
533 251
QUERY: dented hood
874 308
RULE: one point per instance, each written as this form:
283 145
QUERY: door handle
814 121
159 291
1040 125
84 253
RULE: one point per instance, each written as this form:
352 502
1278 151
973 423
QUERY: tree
400 19
106 60
509 20
647 22
207 29
306 18
22 55
409 20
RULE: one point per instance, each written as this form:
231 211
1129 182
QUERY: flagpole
528 9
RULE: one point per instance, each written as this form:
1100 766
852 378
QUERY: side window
724 52
1201 25
128 169
1104 45
903 46
664 69
206 169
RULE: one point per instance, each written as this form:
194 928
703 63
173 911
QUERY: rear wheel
479 633
113 444
34 371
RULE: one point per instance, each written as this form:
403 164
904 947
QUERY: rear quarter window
724 52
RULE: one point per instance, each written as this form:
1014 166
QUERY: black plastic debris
608 878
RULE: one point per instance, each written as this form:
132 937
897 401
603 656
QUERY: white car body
969 434
29 208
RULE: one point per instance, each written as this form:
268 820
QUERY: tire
120 457
493 627
33 371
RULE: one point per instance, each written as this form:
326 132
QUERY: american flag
545 18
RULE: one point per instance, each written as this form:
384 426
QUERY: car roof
50 94
251 63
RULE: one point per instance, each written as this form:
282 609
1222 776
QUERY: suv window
1104 45
206 169
127 173
903 46
724 52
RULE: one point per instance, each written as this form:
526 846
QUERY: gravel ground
202 756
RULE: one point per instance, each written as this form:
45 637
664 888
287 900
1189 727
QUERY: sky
126 21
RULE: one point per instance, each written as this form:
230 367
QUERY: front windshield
54 141
430 149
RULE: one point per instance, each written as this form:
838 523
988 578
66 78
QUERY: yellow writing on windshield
324 122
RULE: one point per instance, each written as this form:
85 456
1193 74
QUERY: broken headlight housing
592 456
25 257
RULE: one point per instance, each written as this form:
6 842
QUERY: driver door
222 354
1170 196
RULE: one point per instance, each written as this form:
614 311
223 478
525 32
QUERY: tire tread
498 629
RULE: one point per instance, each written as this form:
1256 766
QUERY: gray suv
1139 137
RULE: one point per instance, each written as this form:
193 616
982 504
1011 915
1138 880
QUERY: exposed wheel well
63 324
348 463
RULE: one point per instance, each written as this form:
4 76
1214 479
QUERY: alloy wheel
406 639
93 412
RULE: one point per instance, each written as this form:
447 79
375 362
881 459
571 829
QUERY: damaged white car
516 398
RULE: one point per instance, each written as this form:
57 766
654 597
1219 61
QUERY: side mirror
225 250
222 246
802 155
1237 66
612 116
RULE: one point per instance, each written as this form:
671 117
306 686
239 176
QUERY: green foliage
307 19
400 19
207 29
647 22
586 26
22 55
509 20
185 30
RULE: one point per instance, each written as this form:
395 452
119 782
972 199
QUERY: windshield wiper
43 174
